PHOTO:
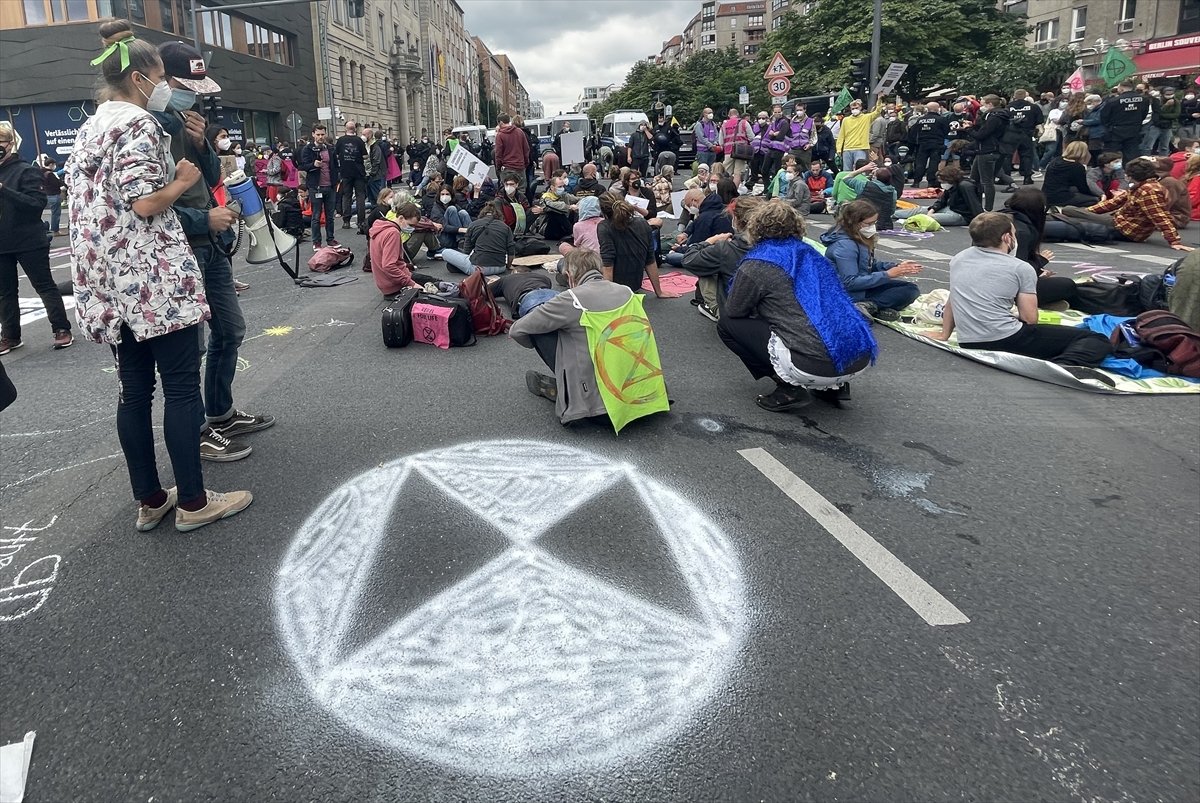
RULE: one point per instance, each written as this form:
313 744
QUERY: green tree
933 37
1014 66
707 78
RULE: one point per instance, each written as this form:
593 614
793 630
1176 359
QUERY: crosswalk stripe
1156 260
1100 249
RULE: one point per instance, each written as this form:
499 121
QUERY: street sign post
779 87
743 96
778 68
325 113
890 78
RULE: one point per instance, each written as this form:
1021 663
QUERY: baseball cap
184 63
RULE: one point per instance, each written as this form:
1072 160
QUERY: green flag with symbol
1116 66
841 101
625 357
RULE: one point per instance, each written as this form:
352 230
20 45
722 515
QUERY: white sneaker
219 506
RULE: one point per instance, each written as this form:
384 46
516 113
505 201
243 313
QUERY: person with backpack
735 138
985 283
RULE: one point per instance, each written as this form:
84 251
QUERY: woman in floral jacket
137 284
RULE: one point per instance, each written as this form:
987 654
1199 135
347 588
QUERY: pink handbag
431 324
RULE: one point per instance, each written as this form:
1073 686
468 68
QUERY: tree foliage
1014 66
708 78
935 38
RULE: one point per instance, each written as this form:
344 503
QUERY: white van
616 128
579 122
543 129
476 132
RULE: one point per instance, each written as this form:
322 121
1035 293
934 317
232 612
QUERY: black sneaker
887 315
784 398
243 423
708 312
867 308
216 447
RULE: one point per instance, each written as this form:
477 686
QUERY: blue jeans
452 221
328 203
54 204
178 363
705 158
893 294
850 157
674 259
374 187
461 262
226 329
1048 156
534 298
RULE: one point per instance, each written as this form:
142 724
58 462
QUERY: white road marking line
926 254
1101 249
1157 260
896 244
920 596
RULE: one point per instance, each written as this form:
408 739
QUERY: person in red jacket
512 151
389 262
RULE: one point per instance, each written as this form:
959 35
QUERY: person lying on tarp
986 280
524 288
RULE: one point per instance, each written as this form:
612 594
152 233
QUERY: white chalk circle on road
529 665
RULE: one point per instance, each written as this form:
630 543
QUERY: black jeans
327 203
353 188
1064 345
771 162
1052 289
925 164
546 345
178 362
747 338
36 264
1130 147
1028 157
983 176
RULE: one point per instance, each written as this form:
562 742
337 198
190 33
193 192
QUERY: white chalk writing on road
31 587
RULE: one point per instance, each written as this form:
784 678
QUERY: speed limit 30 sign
777 87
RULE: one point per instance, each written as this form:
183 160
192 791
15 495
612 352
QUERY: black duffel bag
1122 297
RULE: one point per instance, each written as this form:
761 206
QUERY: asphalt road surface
964 585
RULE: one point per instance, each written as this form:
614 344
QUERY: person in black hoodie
1028 209
957 205
987 134
713 217
1025 116
25 241
1066 181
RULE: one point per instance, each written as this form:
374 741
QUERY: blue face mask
181 100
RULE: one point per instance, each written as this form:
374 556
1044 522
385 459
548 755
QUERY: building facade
1161 36
591 95
449 54
742 26
262 58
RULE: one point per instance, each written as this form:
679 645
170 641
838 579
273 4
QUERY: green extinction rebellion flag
841 101
1116 66
625 356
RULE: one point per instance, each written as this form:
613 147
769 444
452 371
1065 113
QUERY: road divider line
1157 260
1099 249
920 596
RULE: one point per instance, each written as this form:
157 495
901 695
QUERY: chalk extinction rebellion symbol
529 665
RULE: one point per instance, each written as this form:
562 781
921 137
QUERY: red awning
1172 61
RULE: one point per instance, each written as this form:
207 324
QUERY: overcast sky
560 46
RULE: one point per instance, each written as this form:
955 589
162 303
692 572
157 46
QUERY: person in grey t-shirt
985 282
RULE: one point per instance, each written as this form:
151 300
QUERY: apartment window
1189 16
709 25
1128 10
708 39
1078 23
382 35
362 83
778 4
1045 34
708 11
339 12
733 22
776 22
353 80
755 21
342 79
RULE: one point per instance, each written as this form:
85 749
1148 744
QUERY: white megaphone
267 243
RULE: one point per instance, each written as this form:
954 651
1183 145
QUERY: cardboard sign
463 162
572 148
890 78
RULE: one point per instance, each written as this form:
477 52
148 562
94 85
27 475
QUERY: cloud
561 46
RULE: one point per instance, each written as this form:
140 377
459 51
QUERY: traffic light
213 110
355 8
858 76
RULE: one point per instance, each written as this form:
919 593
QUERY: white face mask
223 144
1062 104
868 231
695 210
445 199
1012 248
855 112
159 97
510 189
1189 97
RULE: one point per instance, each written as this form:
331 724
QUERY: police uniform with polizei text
1123 117
928 134
1025 117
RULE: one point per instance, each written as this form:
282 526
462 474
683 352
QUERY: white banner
572 148
463 162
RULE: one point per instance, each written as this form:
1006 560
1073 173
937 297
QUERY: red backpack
486 316
1166 333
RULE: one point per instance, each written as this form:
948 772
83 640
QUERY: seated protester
1135 215
715 260
517 212
691 208
985 282
631 184
424 231
662 188
453 219
820 185
1065 183
699 180
486 194
788 317
797 194
559 207
713 217
1179 159
555 330
433 169
490 245
848 185
380 209
462 191
1191 177
881 193
306 207
1103 177
777 184
524 288
428 199
583 234
1179 205
290 217
875 287
390 264
1028 209
626 246
957 205
588 184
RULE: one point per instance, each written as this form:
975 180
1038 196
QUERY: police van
543 129
617 127
476 132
